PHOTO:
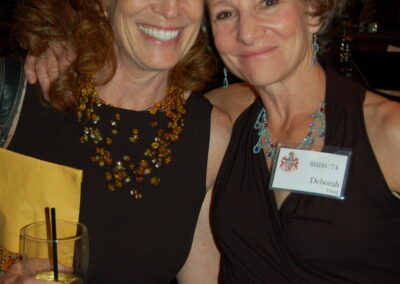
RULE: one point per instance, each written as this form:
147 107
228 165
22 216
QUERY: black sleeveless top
309 239
131 241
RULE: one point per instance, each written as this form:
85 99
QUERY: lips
160 34
258 52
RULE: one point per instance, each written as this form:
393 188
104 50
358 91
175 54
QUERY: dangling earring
315 49
225 83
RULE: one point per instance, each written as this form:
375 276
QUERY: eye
223 15
269 2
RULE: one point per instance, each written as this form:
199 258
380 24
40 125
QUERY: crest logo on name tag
289 163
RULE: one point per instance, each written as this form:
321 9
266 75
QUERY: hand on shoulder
45 68
382 120
234 99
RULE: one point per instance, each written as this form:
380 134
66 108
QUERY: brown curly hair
83 26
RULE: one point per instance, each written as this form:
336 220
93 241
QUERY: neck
131 88
294 113
298 95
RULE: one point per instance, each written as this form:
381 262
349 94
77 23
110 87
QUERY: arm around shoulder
202 265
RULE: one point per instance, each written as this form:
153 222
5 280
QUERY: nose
167 8
250 29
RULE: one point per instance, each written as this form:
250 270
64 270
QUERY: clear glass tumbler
71 246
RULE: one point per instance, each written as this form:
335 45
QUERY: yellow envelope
27 186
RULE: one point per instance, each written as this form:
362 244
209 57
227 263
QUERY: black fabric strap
11 88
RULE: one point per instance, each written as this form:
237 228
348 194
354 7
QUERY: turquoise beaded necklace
264 136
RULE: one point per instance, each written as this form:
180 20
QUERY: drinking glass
72 249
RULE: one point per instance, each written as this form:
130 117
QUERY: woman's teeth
159 34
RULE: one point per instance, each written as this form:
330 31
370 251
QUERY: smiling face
153 35
262 42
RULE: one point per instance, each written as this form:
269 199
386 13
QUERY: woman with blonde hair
308 189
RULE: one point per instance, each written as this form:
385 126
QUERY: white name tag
311 172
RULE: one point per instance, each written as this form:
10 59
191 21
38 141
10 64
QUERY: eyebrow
217 3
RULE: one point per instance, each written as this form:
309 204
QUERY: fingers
15 276
48 67
42 73
30 69
65 58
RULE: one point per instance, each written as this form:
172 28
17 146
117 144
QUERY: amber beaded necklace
127 171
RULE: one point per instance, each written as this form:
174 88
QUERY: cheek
289 24
223 41
194 8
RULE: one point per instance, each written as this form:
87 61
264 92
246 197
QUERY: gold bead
155 180
152 111
135 193
139 171
144 164
134 138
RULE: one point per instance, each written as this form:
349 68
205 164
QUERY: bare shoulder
234 99
382 120
220 133
382 115
221 128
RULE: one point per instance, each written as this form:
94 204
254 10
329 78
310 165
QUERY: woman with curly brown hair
290 206
127 111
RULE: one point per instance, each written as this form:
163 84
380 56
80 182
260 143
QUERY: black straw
48 231
54 237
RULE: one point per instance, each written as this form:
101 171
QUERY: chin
163 63
162 66
262 77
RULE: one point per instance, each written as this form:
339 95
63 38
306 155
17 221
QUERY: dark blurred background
7 8
363 45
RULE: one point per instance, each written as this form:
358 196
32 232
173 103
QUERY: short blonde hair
326 10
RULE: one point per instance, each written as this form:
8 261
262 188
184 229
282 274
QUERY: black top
310 239
131 241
